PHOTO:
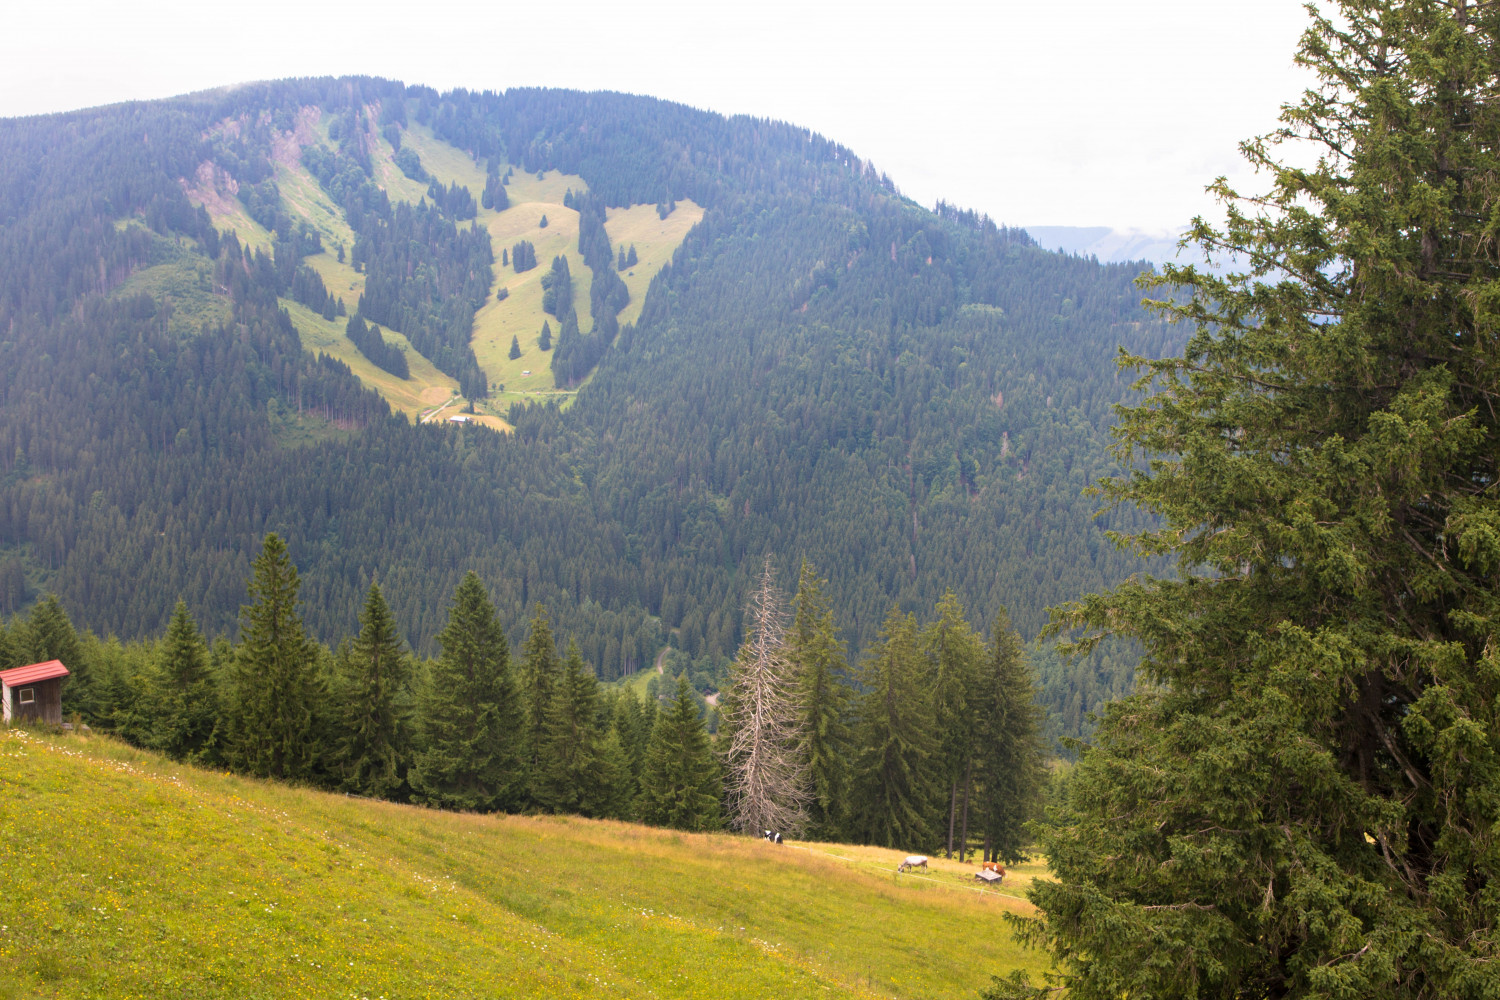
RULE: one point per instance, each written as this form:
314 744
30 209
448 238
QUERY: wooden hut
33 693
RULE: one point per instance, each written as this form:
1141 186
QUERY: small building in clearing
33 693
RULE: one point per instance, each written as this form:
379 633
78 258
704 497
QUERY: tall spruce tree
469 716
1301 801
373 683
1009 750
179 695
567 776
823 695
954 655
276 685
680 777
540 671
894 796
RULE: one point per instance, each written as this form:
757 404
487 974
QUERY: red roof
33 673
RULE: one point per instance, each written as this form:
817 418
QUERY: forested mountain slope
912 400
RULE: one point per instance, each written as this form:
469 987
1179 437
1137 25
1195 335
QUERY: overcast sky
1089 112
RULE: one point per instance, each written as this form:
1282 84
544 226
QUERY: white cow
913 861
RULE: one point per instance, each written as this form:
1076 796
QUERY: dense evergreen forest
912 400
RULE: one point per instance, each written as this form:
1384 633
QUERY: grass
655 240
184 278
124 875
520 316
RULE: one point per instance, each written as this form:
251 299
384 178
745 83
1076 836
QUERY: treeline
381 352
931 743
578 352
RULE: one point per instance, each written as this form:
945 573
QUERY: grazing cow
993 866
772 836
913 861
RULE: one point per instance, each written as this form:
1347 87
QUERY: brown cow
993 866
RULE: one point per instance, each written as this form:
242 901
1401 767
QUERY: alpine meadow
556 543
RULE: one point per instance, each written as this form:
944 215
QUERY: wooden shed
33 693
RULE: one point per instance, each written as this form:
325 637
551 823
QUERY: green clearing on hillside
185 280
125 875
525 379
655 240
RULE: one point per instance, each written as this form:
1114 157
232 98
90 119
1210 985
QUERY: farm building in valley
33 693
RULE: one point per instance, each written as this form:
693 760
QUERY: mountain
799 362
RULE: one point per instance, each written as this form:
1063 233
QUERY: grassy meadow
525 379
125 875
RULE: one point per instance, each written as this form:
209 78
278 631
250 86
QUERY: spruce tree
954 655
179 694
276 687
515 347
1301 799
567 768
823 695
48 635
469 715
544 342
679 777
894 796
540 671
373 684
1010 751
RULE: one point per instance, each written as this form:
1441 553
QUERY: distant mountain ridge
1119 246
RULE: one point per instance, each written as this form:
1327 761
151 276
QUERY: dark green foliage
542 224
469 716
1301 802
425 277
454 201
523 256
410 163
824 693
895 794
540 670
577 352
544 339
179 699
568 776
372 345
494 195
1009 751
515 347
954 654
679 776
276 688
373 705
557 291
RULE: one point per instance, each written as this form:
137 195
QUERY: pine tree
179 694
823 695
515 347
544 342
567 769
469 714
1300 801
276 687
679 778
540 672
373 684
765 777
48 635
1010 751
954 655
893 796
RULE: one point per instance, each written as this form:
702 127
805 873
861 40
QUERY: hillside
801 363
123 874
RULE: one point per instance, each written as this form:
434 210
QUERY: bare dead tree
765 779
